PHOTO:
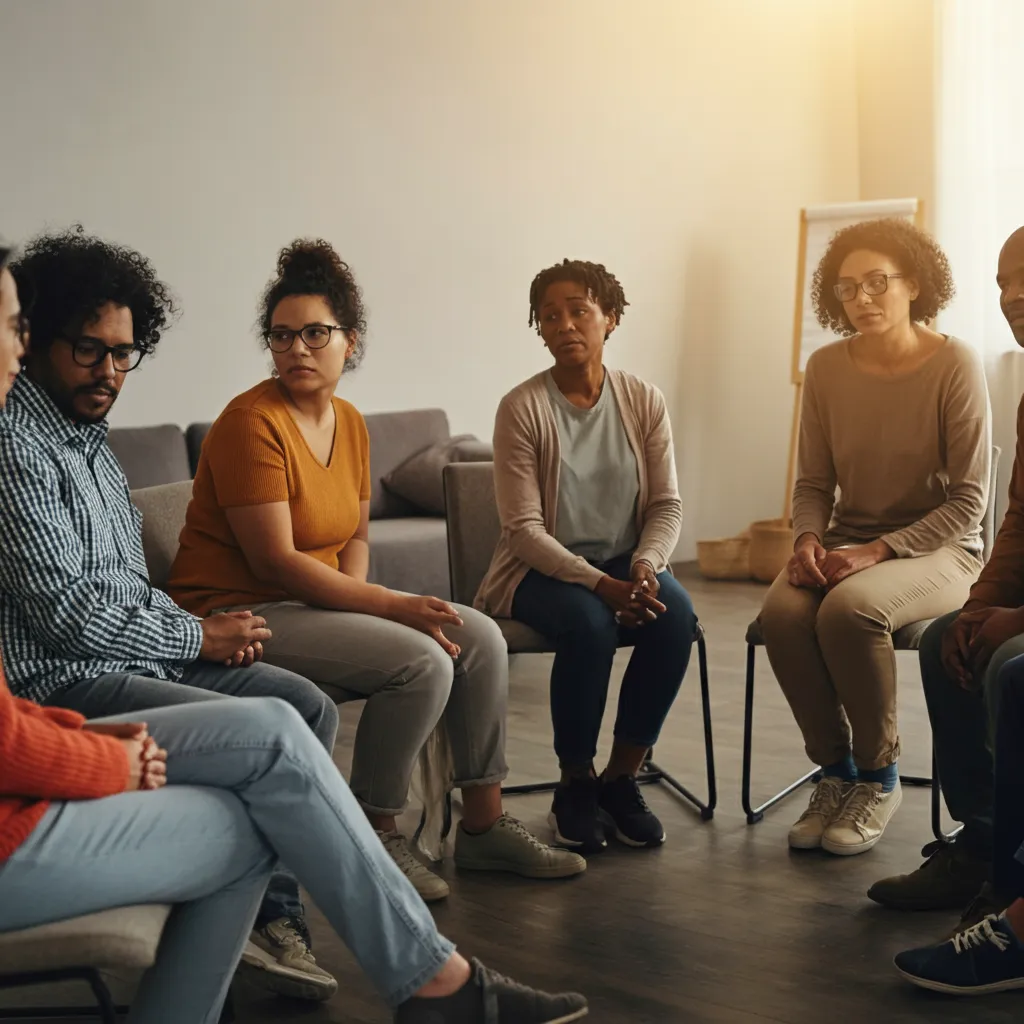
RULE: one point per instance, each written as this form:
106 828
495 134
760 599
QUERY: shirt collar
29 403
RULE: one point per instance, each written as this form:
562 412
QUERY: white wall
450 150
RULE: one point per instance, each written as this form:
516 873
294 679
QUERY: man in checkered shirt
80 625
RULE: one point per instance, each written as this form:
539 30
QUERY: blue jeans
119 693
1008 832
585 635
247 784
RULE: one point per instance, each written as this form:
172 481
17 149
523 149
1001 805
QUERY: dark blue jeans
585 635
1008 866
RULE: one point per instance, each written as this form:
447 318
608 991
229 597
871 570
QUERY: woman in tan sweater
585 480
897 418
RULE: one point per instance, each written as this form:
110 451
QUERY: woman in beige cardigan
586 488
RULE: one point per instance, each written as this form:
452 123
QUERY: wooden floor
724 924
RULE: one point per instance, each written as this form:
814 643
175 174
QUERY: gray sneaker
508 845
431 887
277 957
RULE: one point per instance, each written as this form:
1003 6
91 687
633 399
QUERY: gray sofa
408 549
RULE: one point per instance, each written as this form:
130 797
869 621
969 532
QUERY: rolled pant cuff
884 761
439 956
487 780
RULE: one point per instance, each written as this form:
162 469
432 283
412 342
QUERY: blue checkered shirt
75 597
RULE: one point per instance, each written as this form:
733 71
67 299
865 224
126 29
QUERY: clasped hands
147 761
973 637
634 601
815 568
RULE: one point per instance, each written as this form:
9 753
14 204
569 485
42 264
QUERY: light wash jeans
247 783
120 693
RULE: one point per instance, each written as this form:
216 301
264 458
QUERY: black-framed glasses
876 284
280 339
89 352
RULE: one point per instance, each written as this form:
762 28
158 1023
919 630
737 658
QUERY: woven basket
725 559
771 547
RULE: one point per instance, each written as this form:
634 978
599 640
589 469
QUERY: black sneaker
635 823
576 818
986 958
488 998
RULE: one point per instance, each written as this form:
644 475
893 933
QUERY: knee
269 716
483 635
786 610
843 613
679 612
1010 682
587 620
933 674
429 672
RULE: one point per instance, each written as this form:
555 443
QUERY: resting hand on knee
804 568
990 628
426 614
843 563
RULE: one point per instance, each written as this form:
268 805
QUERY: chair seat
127 937
907 638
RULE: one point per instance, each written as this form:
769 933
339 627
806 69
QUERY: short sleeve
246 455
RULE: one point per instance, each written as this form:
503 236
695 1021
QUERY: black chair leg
652 772
756 814
945 837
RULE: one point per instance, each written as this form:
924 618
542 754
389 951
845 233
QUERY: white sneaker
862 819
826 800
431 887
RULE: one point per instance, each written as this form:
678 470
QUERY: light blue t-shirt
598 481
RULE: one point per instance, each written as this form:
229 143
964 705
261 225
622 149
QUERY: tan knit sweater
527 458
910 454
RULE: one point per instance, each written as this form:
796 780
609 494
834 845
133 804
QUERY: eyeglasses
876 284
280 339
91 352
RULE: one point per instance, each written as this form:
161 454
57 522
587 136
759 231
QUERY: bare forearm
354 560
305 579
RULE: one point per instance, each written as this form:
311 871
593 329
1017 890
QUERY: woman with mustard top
585 479
896 420
278 522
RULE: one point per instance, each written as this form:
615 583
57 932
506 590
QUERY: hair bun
309 262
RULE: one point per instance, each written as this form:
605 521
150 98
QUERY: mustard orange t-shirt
255 454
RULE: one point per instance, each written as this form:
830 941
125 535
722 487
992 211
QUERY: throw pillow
418 480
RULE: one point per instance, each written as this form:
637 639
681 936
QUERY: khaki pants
832 651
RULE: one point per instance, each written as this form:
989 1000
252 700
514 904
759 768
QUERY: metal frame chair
906 639
473 532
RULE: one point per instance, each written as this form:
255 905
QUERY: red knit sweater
44 756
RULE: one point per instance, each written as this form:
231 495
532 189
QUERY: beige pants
832 651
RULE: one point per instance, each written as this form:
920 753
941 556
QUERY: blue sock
845 769
887 776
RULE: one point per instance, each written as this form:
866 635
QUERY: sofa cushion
394 436
419 479
195 435
125 937
410 554
150 455
163 518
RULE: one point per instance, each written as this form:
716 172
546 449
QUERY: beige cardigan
526 464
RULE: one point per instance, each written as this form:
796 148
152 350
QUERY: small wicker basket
724 559
771 547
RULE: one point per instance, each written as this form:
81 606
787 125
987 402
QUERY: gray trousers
409 684
963 727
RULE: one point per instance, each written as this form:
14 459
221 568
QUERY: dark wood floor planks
724 925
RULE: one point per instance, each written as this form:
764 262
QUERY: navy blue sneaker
624 806
981 960
575 816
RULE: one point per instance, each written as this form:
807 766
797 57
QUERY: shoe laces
826 799
517 828
860 803
398 846
288 933
981 933
631 793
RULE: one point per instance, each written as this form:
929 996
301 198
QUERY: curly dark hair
602 286
310 266
916 254
66 278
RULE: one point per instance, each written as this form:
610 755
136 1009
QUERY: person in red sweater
195 807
